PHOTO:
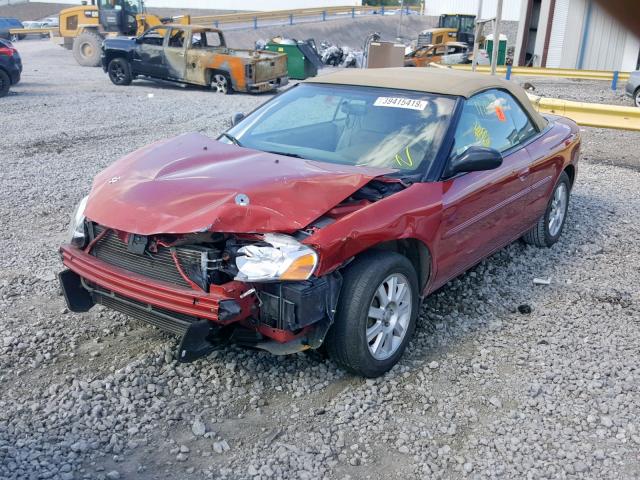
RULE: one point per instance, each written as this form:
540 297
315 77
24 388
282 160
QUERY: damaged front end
248 269
209 288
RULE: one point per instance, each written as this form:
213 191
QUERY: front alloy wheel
119 72
376 313
389 316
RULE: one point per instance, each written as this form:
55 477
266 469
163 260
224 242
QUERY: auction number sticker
397 102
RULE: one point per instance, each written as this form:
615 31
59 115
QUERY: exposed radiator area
157 266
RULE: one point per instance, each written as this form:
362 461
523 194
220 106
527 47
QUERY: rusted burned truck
194 55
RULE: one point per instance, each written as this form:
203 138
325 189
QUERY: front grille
166 320
157 266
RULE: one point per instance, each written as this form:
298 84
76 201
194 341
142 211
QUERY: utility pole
400 22
476 37
496 38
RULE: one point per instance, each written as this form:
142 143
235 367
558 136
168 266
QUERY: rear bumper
222 305
268 85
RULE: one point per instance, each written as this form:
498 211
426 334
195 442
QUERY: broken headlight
77 231
283 258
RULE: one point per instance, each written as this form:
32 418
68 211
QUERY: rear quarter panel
201 62
552 152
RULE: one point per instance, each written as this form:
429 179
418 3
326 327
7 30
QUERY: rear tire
369 336
86 49
5 83
221 83
636 98
549 227
119 72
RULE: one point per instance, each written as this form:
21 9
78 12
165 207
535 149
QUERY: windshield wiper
295 155
233 139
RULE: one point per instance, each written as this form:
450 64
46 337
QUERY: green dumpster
502 48
298 64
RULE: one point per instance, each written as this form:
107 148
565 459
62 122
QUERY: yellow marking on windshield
405 163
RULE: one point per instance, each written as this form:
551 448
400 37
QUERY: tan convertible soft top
431 80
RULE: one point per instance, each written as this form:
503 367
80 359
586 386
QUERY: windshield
351 125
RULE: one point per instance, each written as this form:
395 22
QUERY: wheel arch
415 250
210 72
113 54
570 170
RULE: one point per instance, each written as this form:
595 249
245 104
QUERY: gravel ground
484 391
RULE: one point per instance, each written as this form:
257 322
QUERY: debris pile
341 56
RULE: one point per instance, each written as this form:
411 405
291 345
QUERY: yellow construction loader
83 28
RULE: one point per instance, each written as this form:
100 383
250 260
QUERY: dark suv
10 66
6 24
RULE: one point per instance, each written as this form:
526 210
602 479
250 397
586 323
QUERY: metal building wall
605 42
558 31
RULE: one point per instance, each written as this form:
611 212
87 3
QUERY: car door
436 54
481 211
544 161
148 57
175 60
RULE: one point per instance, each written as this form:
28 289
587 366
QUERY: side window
154 37
492 119
196 40
176 39
440 51
213 39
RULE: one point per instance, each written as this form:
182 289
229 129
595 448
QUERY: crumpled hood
192 183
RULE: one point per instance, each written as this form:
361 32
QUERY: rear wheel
119 72
376 314
86 49
13 38
5 83
549 227
636 97
221 83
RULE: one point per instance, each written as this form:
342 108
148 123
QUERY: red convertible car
325 216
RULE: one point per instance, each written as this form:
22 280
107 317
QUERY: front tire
119 72
376 314
549 227
86 49
5 83
636 97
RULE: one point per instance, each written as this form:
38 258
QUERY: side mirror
236 118
138 39
474 159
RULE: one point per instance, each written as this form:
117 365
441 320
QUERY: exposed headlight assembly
284 259
77 233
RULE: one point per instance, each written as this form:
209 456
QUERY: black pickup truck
10 66
194 55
